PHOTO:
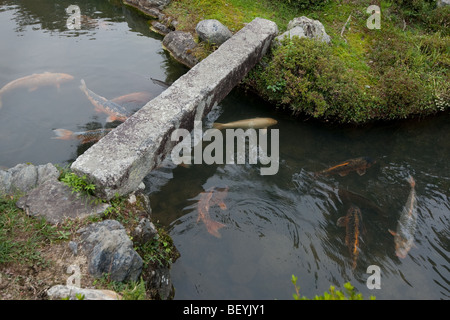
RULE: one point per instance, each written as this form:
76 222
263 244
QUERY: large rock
109 249
441 3
71 292
305 27
213 31
119 162
181 46
55 202
24 177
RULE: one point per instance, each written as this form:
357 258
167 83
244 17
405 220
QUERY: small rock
74 247
110 250
181 45
145 231
213 31
71 292
160 28
313 29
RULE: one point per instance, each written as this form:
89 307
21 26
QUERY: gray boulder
24 177
55 202
181 45
441 3
213 31
109 250
305 27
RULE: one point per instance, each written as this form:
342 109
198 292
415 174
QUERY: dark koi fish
353 227
101 104
207 199
83 136
406 227
358 164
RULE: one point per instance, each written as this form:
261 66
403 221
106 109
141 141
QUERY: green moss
398 71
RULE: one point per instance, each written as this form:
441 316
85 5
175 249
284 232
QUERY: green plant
159 251
78 184
332 294
21 236
135 290
306 4
304 75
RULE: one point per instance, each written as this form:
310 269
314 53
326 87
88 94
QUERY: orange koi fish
359 165
207 199
353 226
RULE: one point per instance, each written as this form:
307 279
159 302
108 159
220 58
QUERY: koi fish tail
213 228
218 126
63 134
411 181
83 84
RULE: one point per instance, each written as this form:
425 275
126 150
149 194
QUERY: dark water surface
276 225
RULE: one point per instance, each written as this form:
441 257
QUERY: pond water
275 225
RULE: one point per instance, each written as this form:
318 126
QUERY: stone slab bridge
118 163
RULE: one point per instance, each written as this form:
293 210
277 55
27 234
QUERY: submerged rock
109 249
213 31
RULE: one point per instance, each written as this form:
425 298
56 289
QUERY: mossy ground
34 255
398 71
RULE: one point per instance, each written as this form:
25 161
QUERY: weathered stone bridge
118 163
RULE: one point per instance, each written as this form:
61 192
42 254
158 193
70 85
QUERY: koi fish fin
343 173
222 205
392 232
342 221
361 171
63 134
263 131
213 228
218 126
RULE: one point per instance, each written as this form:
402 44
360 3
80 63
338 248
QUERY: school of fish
352 221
